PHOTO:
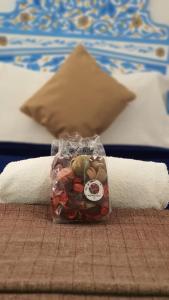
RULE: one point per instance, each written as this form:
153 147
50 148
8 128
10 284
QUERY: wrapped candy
79 180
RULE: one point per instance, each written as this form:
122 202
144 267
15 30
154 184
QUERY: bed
45 261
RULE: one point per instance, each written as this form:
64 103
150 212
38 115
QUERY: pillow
79 97
17 84
145 122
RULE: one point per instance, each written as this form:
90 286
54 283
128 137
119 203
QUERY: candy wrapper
79 180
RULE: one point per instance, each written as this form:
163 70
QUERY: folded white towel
132 183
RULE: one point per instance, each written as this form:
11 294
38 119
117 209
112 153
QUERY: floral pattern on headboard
39 34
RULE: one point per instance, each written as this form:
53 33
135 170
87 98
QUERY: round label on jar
93 190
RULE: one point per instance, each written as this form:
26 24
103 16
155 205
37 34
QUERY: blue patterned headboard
39 34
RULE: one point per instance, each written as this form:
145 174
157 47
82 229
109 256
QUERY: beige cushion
80 97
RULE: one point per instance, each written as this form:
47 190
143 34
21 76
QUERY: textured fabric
137 184
132 183
26 181
57 26
80 97
71 297
128 255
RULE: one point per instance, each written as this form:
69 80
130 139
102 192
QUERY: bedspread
127 256
71 297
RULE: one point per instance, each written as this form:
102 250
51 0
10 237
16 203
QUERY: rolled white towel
132 183
26 181
137 184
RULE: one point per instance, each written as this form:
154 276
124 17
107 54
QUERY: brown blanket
71 297
127 256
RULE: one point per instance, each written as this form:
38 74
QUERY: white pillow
16 85
144 122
